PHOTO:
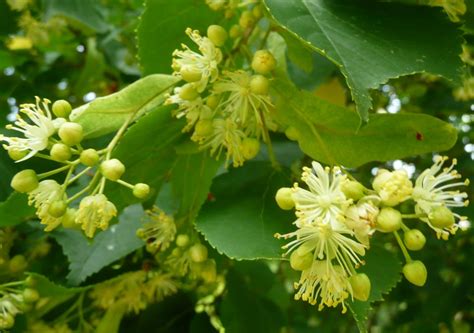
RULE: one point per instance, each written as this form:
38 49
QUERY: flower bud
7 321
235 31
141 190
71 133
30 295
198 252
257 12
263 62
17 264
352 189
204 128
188 92
60 152
415 272
360 286
182 240
69 219
112 169
259 84
89 157
389 220
212 101
217 34
284 199
25 181
30 281
209 271
441 217
190 74
57 208
414 240
292 133
250 148
16 154
301 262
392 187
62 108
246 20
216 4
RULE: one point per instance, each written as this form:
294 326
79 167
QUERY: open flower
47 192
324 201
95 211
204 63
361 219
36 131
158 231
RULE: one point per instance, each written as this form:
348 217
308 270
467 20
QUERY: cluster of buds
337 216
15 298
227 110
49 134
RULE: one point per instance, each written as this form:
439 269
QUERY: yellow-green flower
94 212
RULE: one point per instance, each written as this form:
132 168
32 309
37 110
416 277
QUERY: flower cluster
228 111
50 134
454 8
336 216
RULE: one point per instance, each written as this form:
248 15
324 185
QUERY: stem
49 158
402 246
12 284
265 37
84 190
69 173
124 183
79 175
53 172
266 137
117 136
102 185
405 228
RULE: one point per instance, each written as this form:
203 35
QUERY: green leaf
107 114
330 134
147 151
162 31
15 210
383 268
87 258
191 180
93 69
373 42
84 13
244 216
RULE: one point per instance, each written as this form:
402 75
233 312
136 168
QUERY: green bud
7 321
216 4
17 264
292 133
182 240
69 219
62 108
30 295
198 252
30 281
360 286
217 34
89 157
263 62
71 133
112 169
300 263
203 128
141 190
188 92
284 199
60 152
389 220
259 85
415 272
209 271
16 154
257 12
246 20
414 240
235 31
352 189
57 208
441 217
25 181
212 101
250 148
190 74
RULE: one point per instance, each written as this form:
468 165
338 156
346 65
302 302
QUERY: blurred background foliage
81 49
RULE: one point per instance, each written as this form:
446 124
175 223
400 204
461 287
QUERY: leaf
93 69
107 114
330 134
383 268
244 216
191 180
373 42
15 210
147 151
162 31
86 258
85 13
